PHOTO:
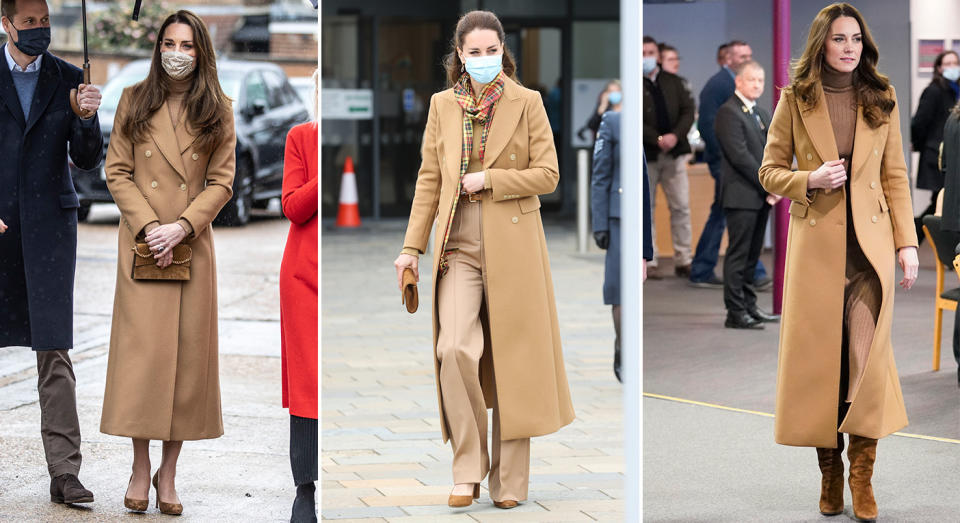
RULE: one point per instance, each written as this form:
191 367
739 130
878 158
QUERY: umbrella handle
82 113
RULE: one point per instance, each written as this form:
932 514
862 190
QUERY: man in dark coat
605 210
38 208
668 113
741 131
715 93
951 201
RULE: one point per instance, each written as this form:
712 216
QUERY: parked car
304 87
265 108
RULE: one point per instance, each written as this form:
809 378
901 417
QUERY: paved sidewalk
383 459
242 476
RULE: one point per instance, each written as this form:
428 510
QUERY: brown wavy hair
205 102
468 23
871 87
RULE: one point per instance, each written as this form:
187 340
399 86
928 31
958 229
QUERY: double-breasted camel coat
162 372
808 375
521 332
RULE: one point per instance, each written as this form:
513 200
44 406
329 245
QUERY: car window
256 90
275 92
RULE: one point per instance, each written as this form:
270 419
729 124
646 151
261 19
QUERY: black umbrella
82 113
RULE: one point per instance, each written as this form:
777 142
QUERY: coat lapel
451 136
47 86
816 121
505 119
863 142
186 134
166 139
8 92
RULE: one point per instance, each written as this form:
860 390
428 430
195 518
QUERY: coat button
876 152
809 156
813 222
620 190
195 156
148 154
874 219
873 185
183 187
153 183
513 156
514 219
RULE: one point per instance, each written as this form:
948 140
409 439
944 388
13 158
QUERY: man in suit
668 112
741 131
38 208
715 93
950 165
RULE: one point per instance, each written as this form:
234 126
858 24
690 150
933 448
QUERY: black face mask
32 42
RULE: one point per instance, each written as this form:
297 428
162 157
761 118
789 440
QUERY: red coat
298 273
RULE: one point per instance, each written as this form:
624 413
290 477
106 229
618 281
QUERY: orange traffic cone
348 215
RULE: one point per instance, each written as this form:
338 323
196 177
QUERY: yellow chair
944 300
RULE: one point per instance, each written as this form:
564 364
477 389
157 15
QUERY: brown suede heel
862 453
831 481
464 501
136 505
171 509
505 504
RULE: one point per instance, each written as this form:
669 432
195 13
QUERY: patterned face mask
178 65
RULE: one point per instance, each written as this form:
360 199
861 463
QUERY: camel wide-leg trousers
460 294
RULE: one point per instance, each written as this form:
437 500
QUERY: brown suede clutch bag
409 295
145 265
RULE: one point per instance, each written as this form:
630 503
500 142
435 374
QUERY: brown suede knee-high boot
862 453
831 480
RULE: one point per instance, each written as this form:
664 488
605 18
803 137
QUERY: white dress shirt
31 67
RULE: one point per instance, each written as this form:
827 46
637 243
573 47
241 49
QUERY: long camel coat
162 372
808 375
521 332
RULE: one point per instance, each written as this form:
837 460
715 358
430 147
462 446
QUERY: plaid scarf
481 111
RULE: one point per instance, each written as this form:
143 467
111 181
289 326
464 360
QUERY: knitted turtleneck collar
835 80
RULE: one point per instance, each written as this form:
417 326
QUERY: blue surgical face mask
615 97
951 73
649 64
32 42
483 69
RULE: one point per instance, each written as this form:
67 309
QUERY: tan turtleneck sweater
842 106
178 91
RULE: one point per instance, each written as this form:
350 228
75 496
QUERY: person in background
722 54
926 126
715 93
836 372
951 200
298 310
605 211
610 96
668 113
669 58
741 130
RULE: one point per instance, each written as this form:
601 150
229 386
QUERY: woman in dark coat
298 312
926 127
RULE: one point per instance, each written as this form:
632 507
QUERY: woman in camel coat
493 293
851 219
169 178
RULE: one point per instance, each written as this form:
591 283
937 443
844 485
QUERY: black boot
616 342
305 506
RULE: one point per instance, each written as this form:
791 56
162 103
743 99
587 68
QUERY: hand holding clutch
408 291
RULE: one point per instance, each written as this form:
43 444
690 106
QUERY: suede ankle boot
305 505
862 453
831 481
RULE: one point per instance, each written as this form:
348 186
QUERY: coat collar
170 143
506 116
47 85
8 96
